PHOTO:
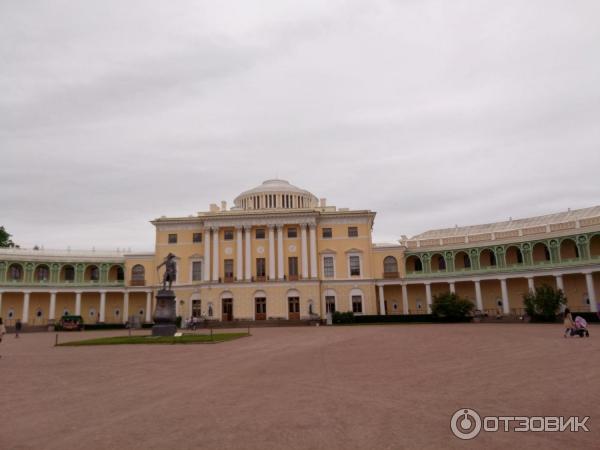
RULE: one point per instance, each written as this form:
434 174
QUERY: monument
165 314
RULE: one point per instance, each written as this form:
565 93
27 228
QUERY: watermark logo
466 424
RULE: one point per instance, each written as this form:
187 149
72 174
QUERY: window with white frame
196 270
354 262
330 304
357 304
328 267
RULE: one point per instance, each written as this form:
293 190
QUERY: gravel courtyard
359 387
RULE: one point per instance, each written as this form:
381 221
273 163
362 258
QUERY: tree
544 303
450 307
5 240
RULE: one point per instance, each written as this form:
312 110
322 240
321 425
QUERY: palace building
281 253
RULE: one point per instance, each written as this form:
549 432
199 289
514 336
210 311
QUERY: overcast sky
432 113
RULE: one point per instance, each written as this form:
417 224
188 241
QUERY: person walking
18 326
568 322
2 331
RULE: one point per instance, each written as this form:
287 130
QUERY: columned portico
248 265
239 273
25 317
271 275
404 298
215 231
505 302
78 303
589 281
381 300
102 306
303 250
313 250
560 283
206 262
148 306
280 266
428 295
478 296
52 312
530 284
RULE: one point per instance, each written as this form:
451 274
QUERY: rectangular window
261 305
196 237
352 231
260 268
357 304
196 308
172 239
354 265
197 271
327 233
328 271
294 305
228 235
293 267
260 233
292 232
228 263
330 304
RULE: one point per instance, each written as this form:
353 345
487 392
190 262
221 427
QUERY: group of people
577 327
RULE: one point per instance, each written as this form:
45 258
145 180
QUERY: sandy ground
361 387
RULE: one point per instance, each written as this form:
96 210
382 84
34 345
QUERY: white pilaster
559 283
248 270
405 299
589 280
303 251
271 275
77 303
148 306
530 284
505 304
52 312
239 259
216 261
25 318
478 297
428 295
280 266
313 251
206 263
381 301
125 312
102 306
452 288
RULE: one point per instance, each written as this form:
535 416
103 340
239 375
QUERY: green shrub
449 307
343 317
544 304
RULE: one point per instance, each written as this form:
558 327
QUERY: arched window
487 258
568 249
513 255
67 273
390 267
92 273
138 273
540 253
462 261
42 273
414 264
15 272
438 263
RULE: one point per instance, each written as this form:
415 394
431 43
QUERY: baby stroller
580 328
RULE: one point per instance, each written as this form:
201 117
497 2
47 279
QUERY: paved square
363 387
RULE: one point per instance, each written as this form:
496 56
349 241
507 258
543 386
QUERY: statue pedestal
164 314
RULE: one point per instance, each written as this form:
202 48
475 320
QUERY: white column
77 303
530 284
206 262
589 280
452 288
303 251
559 283
405 299
52 312
271 275
313 251
428 294
102 306
125 312
280 266
239 259
478 297
148 306
505 304
381 301
248 271
216 262
25 317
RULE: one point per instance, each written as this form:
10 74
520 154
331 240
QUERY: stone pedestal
164 314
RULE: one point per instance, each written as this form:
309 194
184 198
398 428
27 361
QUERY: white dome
275 194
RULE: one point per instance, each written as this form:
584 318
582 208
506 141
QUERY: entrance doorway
227 310
294 308
260 303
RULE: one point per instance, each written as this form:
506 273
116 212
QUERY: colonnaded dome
275 194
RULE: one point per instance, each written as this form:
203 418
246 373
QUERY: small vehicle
71 323
580 328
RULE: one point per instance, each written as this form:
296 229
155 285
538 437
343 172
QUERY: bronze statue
170 270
